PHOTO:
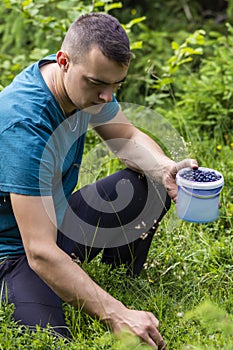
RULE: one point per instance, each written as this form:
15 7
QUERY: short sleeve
21 148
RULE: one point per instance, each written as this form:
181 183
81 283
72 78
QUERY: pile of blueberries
200 175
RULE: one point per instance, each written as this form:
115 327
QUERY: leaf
175 46
136 45
135 21
110 7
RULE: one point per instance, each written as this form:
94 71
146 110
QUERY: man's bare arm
139 152
36 220
133 147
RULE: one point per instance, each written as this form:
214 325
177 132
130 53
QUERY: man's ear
63 60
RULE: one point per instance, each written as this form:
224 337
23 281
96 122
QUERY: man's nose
106 94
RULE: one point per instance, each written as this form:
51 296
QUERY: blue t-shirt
40 149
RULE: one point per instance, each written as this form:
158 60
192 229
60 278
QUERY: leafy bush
31 29
196 94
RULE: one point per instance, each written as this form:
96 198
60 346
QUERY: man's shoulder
27 98
47 59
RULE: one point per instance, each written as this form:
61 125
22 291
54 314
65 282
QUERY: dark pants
117 215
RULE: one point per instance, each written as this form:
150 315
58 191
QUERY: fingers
157 340
187 163
144 325
162 345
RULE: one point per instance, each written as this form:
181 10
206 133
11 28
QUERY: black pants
117 216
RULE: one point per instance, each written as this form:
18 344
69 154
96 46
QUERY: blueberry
198 175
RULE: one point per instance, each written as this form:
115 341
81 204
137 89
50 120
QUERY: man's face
92 81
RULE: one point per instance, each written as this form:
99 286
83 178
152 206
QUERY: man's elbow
39 256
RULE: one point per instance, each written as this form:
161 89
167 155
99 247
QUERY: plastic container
198 201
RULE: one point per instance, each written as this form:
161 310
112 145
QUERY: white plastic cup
198 201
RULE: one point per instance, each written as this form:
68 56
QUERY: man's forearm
74 286
142 154
52 264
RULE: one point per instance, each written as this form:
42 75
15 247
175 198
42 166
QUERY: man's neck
53 78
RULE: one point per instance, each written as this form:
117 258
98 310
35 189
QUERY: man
44 224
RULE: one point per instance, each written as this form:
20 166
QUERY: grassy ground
187 283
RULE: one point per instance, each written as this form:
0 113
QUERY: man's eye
97 83
94 82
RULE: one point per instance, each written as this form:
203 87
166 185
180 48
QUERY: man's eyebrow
105 83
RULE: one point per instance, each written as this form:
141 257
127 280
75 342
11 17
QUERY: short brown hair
101 30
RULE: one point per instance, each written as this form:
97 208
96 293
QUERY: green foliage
29 29
15 337
215 321
197 93
184 53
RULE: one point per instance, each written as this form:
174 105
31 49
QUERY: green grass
187 283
